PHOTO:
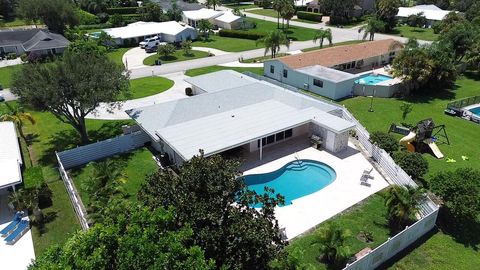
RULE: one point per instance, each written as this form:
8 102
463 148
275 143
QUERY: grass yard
6 75
325 44
415 32
147 86
227 44
204 70
261 59
135 165
293 32
305 21
240 6
265 12
117 54
15 23
178 56
368 215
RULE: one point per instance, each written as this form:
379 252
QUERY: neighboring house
238 112
361 8
39 41
167 31
166 5
328 71
432 13
222 19
10 156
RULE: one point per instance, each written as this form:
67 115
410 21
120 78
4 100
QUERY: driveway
134 57
176 92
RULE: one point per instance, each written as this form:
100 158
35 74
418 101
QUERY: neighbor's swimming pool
371 79
294 180
476 110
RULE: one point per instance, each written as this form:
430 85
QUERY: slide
433 146
406 141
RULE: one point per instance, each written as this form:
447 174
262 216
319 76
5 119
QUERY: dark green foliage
414 164
386 11
122 10
204 195
416 20
56 14
151 12
460 191
339 10
333 249
86 18
384 140
240 34
132 237
402 203
310 16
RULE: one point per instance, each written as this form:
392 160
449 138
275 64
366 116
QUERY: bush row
241 34
309 16
87 18
93 26
122 10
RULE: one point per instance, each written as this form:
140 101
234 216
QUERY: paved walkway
176 92
12 62
5 93
210 50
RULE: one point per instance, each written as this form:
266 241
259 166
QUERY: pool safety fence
458 104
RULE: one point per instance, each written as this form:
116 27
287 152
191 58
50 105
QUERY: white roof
140 29
201 14
302 3
223 119
326 73
228 17
209 82
10 155
431 12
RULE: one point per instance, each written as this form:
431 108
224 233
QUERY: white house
10 156
228 20
328 71
222 19
431 12
170 31
245 113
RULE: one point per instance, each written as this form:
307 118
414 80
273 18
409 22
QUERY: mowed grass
147 86
415 32
6 75
293 32
204 70
368 215
241 6
117 54
178 56
226 43
135 166
265 12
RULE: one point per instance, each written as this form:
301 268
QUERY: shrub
103 17
116 20
188 91
385 141
11 56
122 10
241 34
86 18
23 57
414 164
309 16
93 26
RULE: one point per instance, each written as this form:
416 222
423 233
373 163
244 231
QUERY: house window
270 139
285 73
288 133
391 54
318 83
272 69
280 136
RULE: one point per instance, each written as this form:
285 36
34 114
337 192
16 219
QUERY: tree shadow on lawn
168 58
464 232
429 95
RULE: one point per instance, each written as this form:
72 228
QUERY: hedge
93 26
122 10
240 34
309 16
86 18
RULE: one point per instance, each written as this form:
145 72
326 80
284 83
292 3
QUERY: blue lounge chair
21 229
10 227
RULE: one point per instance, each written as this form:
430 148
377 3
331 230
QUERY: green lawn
293 32
261 59
136 166
16 22
6 75
305 21
368 215
227 44
325 44
240 6
147 86
178 56
265 12
116 55
210 69
415 32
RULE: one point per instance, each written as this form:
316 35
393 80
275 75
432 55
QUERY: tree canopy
273 40
386 11
56 14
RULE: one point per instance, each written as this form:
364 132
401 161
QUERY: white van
151 41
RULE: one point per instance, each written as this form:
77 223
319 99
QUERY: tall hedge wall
241 34
309 16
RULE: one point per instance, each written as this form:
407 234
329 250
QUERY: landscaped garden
178 55
415 32
147 86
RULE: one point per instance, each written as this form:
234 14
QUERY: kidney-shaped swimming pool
294 180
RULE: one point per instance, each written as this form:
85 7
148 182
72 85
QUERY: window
280 136
285 73
391 54
272 69
288 133
270 139
318 83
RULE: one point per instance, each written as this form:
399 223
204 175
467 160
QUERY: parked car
150 42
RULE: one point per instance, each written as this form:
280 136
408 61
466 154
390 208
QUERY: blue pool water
475 111
294 180
371 79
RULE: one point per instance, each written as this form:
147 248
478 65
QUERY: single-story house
360 8
39 41
167 5
432 13
249 114
170 31
10 156
222 19
328 71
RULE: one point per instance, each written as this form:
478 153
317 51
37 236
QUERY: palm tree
321 35
277 6
205 27
17 115
273 40
373 26
402 205
332 244
287 11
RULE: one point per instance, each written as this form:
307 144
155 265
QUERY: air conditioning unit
305 85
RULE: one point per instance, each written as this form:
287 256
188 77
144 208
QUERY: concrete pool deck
308 211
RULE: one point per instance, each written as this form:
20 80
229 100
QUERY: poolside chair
13 224
21 229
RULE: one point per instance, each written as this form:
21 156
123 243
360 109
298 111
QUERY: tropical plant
56 14
277 6
17 115
116 20
205 27
165 51
273 40
386 11
187 47
321 35
174 13
402 205
332 246
287 11
417 20
151 12
374 25
212 3
406 108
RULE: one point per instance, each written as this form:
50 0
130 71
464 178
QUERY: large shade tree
74 86
387 11
209 195
273 40
56 14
